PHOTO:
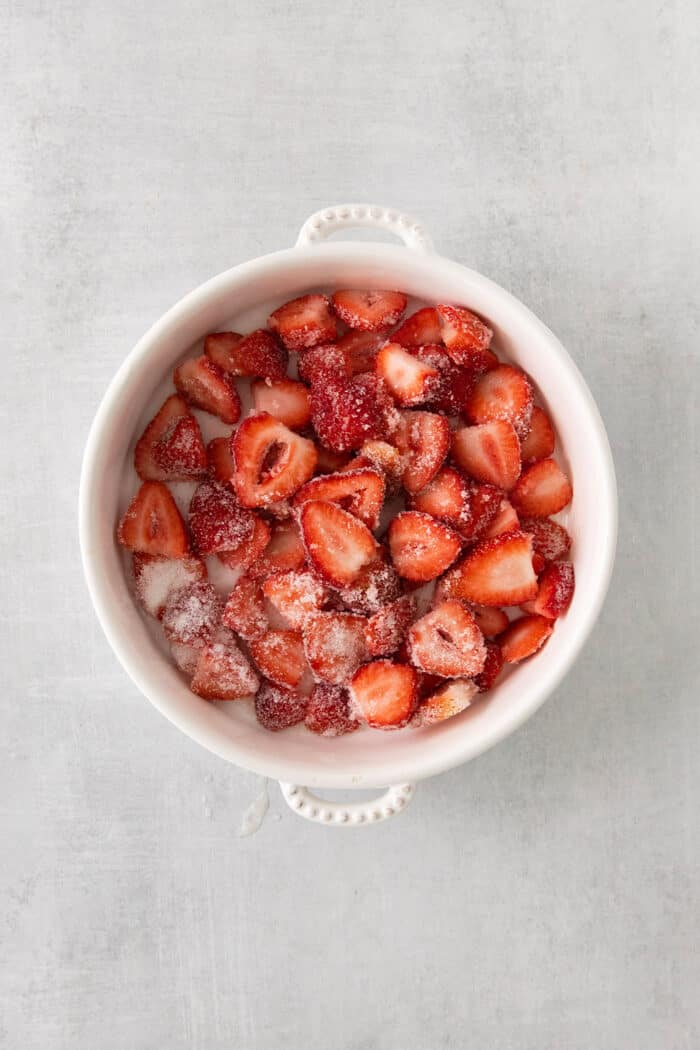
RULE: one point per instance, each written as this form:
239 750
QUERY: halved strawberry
411 381
491 620
220 460
334 644
488 453
219 347
186 657
157 578
316 364
217 521
486 501
543 489
496 572
279 708
304 322
328 711
171 446
206 386
447 642
245 609
359 350
295 594
447 496
192 614
424 438
420 328
330 462
555 591
337 543
257 354
550 540
446 702
456 382
248 553
370 310
524 637
280 657
486 679
272 462
152 523
386 629
347 412
383 457
540 439
506 520
384 694
361 492
502 393
223 672
285 550
376 586
285 399
466 337
421 546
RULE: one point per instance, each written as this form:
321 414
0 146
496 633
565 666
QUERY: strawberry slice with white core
506 520
248 553
386 629
192 614
542 489
280 657
223 672
448 497
524 637
502 393
152 523
328 711
257 354
466 337
334 644
411 381
206 386
496 572
171 446
540 439
304 322
285 399
555 591
359 350
295 594
338 545
376 586
489 453
361 492
369 311
219 347
492 668
447 642
424 439
446 702
220 460
245 609
272 462
285 550
420 328
421 546
491 621
550 540
277 707
217 521
157 578
384 694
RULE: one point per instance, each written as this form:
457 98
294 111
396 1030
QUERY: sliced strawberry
456 382
447 496
219 347
361 492
421 546
524 637
315 365
543 489
186 657
304 322
217 521
502 393
491 620
206 386
295 594
279 510
285 399
550 540
257 354
424 438
272 462
369 311
496 572
555 591
492 668
280 657
279 708
359 350
347 412
249 553
152 523
486 501
285 550
220 460
192 614
157 578
538 563
411 381
171 446
540 439
385 631
506 520
334 644
384 457
376 586
330 462
447 642
337 543
420 328
489 453
384 694
328 711
223 672
446 702
244 612
466 337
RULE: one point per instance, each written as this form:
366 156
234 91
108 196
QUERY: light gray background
544 896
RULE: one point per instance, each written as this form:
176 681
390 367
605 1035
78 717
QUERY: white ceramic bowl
241 297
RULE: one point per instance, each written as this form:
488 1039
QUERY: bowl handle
325 222
347 814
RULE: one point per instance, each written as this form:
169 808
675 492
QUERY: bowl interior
242 299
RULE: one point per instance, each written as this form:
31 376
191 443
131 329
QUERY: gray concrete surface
544 897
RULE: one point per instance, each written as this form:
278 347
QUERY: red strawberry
258 354
171 446
330 462
280 657
503 393
220 460
285 399
447 496
192 614
488 453
157 578
223 672
216 520
376 586
411 381
295 594
361 492
420 328
304 322
540 439
250 552
337 543
424 438
347 412
245 609
204 385
219 347
496 572
491 620
152 523
315 365
447 642
328 711
359 350
555 591
456 383
384 694
421 546
334 644
383 457
543 489
524 637
486 502
279 708
385 631
186 657
446 702
272 462
466 337
492 668
285 550
506 520
369 311
550 540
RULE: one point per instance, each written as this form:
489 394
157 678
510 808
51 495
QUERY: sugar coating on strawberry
386 629
555 591
503 393
347 412
448 497
385 458
410 380
549 538
220 460
328 711
316 364
285 550
206 386
447 642
272 462
456 383
489 452
377 585
369 310
257 354
491 621
421 546
219 347
157 578
304 322
496 572
192 614
223 671
524 637
152 524
249 553
280 656
424 438
217 522
420 328
466 337
171 446
338 545
285 399
540 439
506 520
244 611
384 694
329 462
361 492
486 679
279 708
295 594
542 489
447 701
334 644
359 350
186 657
